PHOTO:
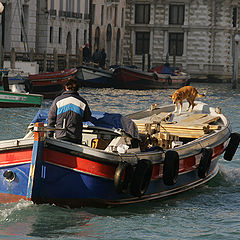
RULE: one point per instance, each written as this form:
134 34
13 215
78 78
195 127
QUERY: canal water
211 211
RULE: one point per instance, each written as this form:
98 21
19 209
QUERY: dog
189 93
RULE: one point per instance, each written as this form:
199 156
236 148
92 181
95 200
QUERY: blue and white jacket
69 111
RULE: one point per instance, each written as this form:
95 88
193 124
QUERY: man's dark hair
72 85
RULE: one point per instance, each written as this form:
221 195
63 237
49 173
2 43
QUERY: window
22 38
86 7
175 44
52 4
60 35
122 20
176 14
234 17
77 37
115 16
142 13
93 13
51 35
97 38
102 15
85 36
67 5
142 42
61 5
79 6
70 5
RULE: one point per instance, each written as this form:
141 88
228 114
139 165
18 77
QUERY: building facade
62 25
45 25
18 25
195 34
108 24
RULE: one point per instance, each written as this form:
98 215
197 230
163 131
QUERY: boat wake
9 209
230 175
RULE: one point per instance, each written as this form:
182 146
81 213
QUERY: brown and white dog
189 93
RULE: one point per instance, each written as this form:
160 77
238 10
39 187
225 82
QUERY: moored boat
13 99
94 77
15 96
49 84
146 155
129 78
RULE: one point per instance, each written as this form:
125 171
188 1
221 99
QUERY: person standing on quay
68 111
86 53
103 57
96 57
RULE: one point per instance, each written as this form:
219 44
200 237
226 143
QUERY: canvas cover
100 119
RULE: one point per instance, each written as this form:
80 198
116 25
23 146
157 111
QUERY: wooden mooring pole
235 62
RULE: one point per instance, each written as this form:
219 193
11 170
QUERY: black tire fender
205 162
141 177
170 168
122 177
232 146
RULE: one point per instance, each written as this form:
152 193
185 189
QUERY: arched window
97 38
109 32
69 43
118 46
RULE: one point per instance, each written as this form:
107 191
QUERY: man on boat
86 53
102 61
68 111
96 58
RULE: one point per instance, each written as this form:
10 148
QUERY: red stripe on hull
16 157
107 171
9 198
52 75
79 164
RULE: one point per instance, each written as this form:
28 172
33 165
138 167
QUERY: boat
130 78
16 96
49 84
13 99
146 155
94 77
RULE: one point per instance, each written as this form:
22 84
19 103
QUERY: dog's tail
200 95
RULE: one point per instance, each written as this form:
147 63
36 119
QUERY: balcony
53 12
78 15
61 13
112 2
86 16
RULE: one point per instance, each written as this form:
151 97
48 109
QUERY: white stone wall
12 33
39 18
208 34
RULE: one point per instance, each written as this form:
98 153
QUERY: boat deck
167 127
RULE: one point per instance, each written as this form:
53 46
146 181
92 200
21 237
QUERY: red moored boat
49 84
130 78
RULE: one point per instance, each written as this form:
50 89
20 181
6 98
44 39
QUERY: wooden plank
214 127
163 116
153 119
186 135
192 127
198 119
192 118
208 119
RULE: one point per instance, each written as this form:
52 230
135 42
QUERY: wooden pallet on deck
194 126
